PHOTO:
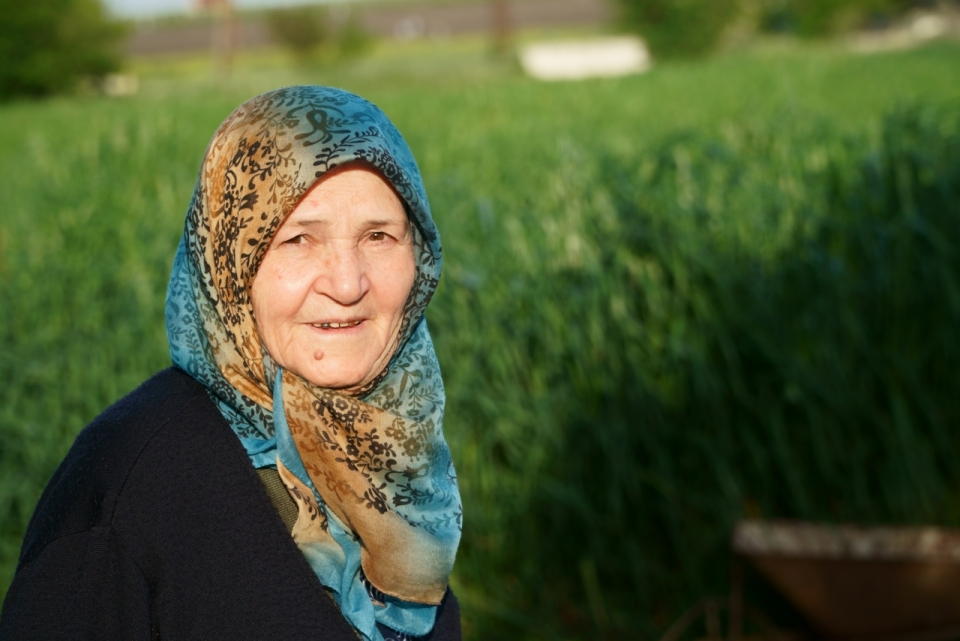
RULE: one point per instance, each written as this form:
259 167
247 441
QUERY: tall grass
759 324
657 315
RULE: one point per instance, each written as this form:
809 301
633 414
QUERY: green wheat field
722 289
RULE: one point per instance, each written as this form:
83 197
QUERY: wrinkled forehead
353 197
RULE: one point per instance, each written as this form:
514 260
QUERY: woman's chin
335 370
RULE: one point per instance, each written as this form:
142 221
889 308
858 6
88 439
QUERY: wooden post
735 628
223 44
500 12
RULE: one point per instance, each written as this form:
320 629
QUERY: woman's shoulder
167 399
129 440
115 441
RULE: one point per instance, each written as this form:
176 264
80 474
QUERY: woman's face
329 296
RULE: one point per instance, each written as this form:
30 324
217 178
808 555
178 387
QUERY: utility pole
223 38
222 33
500 14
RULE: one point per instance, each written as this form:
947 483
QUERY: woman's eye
296 240
378 236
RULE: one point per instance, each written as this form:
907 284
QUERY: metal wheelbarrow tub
861 582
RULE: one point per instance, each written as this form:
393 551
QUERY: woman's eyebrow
308 222
380 223
373 222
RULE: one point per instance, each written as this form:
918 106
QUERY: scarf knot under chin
369 470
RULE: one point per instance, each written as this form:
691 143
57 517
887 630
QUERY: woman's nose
342 276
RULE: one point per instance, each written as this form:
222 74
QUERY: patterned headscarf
379 507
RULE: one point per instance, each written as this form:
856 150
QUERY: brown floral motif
411 447
397 429
305 498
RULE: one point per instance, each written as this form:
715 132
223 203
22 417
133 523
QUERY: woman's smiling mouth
337 325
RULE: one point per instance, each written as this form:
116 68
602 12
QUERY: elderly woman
288 477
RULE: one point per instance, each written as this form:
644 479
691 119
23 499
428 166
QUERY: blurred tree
814 18
352 39
48 46
309 33
821 17
680 27
301 30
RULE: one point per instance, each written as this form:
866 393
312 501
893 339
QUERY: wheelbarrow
851 583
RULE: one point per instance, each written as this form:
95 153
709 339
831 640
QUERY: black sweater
157 526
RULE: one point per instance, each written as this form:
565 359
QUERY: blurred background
715 276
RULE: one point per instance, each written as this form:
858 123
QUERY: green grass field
719 289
